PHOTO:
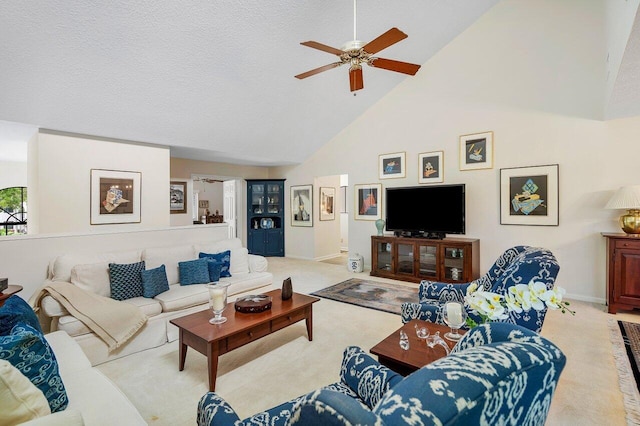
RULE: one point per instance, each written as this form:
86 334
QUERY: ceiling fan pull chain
354 19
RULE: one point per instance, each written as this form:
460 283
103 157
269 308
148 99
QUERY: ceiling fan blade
318 70
323 47
397 66
355 78
392 36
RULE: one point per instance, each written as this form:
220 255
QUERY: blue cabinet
265 217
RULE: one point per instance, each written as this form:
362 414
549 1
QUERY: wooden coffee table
241 328
419 354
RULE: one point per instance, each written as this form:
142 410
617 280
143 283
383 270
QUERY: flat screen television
426 211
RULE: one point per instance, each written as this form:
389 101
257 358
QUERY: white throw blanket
113 321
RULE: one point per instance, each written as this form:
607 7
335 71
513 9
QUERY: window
13 210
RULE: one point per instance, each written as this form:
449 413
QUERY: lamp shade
627 197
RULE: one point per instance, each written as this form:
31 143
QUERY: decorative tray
253 303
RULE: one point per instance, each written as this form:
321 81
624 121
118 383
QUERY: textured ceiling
214 80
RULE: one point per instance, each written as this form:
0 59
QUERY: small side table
11 290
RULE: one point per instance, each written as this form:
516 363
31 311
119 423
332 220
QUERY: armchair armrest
495 332
369 379
214 410
325 407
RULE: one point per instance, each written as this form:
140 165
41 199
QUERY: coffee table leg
212 357
183 352
309 321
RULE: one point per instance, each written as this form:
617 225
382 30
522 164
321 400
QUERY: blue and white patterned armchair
498 373
517 265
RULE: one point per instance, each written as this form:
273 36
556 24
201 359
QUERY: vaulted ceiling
214 80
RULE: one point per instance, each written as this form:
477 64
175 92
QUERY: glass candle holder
217 301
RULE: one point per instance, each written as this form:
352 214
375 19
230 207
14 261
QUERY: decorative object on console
115 196
368 201
392 166
380 226
529 195
476 151
4 283
302 205
327 203
627 197
253 303
287 289
431 167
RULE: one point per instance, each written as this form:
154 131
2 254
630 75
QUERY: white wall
13 173
24 259
64 166
533 73
327 232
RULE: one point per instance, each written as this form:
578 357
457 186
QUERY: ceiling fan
355 53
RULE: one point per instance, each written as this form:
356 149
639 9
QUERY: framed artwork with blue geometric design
529 195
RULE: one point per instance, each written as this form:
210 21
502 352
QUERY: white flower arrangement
520 297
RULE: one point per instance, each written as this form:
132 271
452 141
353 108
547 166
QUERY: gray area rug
371 294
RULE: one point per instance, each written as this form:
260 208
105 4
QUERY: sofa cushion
92 277
181 297
27 350
60 268
169 257
20 400
223 258
16 310
68 417
194 272
154 281
149 307
126 280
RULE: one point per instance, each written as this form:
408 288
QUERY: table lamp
627 197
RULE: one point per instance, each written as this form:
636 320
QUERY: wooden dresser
623 271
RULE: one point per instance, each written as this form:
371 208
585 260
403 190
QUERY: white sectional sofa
91 273
93 399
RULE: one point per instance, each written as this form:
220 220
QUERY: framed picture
327 203
368 201
529 195
203 204
392 165
302 205
177 197
476 151
431 167
115 197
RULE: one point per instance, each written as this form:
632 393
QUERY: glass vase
217 301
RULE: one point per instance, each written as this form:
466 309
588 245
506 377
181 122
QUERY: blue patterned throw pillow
16 310
223 258
126 281
193 272
215 268
154 281
28 351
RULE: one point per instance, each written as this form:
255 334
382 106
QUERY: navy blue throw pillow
215 268
193 272
16 310
154 281
125 279
28 351
223 258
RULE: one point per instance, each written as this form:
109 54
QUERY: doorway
218 199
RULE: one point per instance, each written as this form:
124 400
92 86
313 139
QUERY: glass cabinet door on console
405 258
428 261
265 217
383 258
453 263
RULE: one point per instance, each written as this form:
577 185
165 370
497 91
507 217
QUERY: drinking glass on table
455 316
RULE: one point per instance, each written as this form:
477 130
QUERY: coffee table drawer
286 320
247 336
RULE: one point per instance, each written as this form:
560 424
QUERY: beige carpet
285 365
